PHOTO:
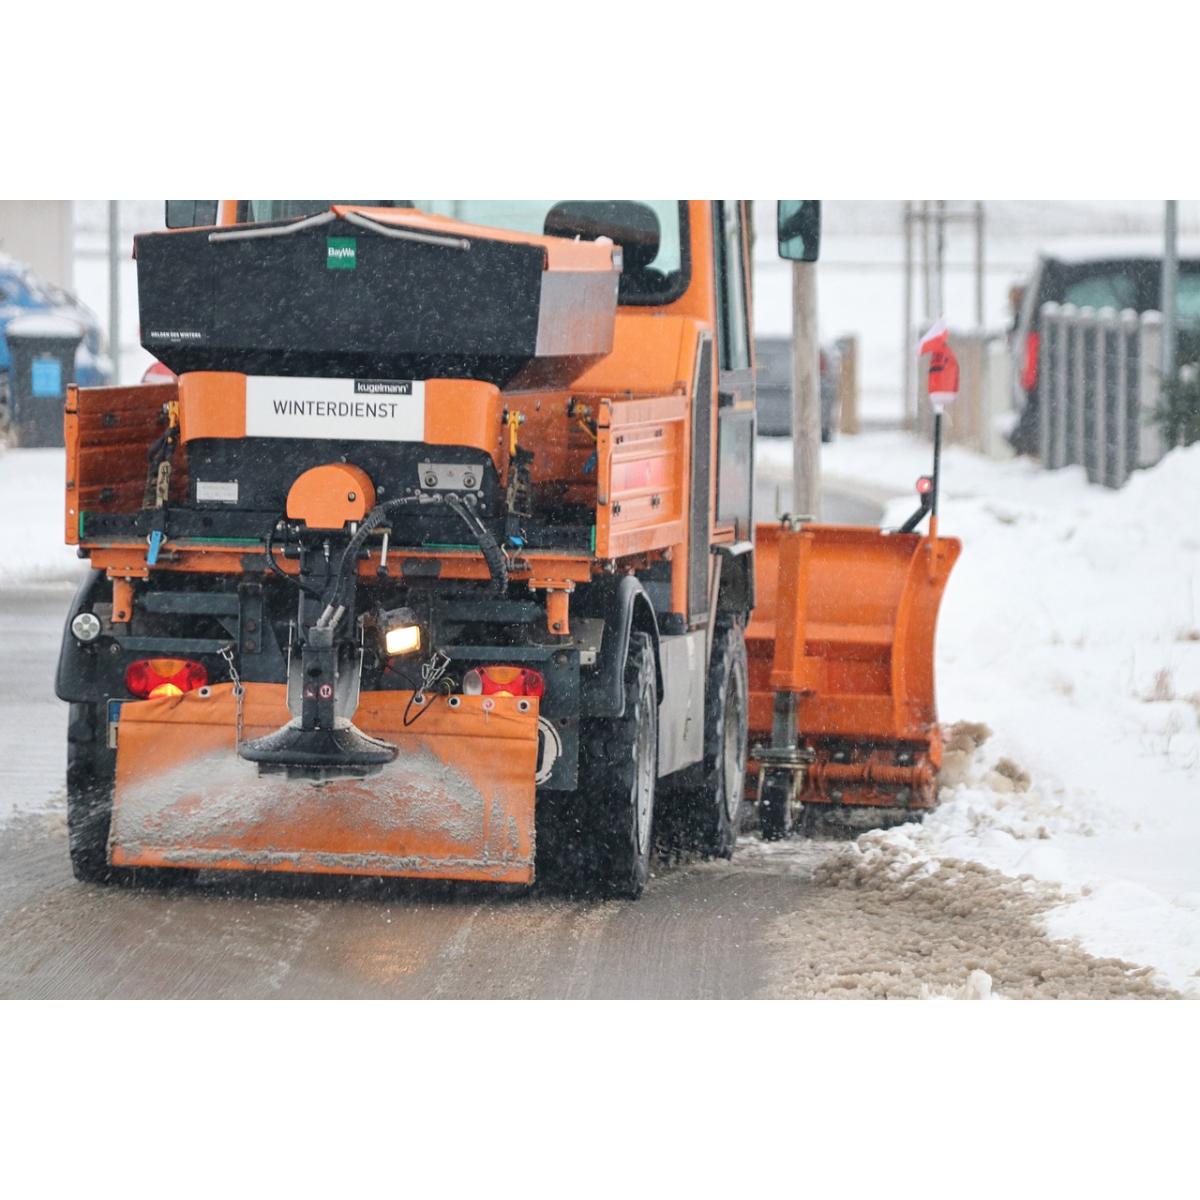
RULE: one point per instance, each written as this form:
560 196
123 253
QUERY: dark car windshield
1134 283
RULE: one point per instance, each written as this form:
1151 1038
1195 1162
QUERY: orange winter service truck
433 556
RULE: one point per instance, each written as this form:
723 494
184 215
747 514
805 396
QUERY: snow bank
31 518
1071 626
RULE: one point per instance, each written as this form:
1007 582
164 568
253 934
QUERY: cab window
733 315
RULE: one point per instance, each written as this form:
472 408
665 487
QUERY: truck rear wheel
91 782
707 798
618 773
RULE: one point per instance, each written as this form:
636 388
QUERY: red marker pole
943 390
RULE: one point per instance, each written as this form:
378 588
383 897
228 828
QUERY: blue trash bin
42 350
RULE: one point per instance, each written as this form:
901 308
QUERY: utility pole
1170 286
980 309
114 287
930 311
910 394
806 393
939 274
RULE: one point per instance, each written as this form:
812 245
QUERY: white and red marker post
943 390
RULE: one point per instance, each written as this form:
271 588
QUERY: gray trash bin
42 363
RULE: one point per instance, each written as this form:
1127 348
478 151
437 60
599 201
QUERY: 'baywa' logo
341 254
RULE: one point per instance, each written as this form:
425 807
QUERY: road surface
759 925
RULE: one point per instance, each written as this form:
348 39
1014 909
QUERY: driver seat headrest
632 225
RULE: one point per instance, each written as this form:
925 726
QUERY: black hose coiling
370 523
278 570
488 546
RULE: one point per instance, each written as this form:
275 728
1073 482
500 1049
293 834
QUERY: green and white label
341 254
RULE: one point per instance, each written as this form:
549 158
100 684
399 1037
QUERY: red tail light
149 678
924 485
504 681
1029 370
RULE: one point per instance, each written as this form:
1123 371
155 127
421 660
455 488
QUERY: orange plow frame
846 618
458 802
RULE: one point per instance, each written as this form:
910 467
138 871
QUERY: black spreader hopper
347 295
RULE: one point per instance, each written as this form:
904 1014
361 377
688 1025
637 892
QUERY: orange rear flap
458 802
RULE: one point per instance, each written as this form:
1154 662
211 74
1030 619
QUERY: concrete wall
40 233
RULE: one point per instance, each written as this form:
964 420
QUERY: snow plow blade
846 618
457 803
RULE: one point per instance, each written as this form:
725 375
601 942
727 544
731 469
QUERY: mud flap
458 802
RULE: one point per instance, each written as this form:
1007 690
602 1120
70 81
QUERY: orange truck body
843 616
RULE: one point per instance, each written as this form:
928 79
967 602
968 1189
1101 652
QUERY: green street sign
341 254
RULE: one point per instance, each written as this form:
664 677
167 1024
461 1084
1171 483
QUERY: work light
86 627
401 633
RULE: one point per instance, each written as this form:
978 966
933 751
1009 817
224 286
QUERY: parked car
22 293
1097 273
158 372
774 387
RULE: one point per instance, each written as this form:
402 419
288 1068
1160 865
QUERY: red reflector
1029 371
924 485
151 677
504 681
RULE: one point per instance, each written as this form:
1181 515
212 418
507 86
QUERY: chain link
432 671
239 692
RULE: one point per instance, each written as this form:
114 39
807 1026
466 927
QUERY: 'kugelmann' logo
341 254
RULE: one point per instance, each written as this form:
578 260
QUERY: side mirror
191 214
799 223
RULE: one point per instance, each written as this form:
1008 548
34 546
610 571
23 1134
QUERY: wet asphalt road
700 930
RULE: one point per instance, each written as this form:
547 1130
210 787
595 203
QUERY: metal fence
1098 390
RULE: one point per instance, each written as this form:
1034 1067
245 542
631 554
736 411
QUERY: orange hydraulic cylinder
793 670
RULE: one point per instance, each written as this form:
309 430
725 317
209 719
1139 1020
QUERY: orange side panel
458 802
71 479
641 475
108 433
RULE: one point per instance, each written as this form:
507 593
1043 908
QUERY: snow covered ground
1071 628
31 518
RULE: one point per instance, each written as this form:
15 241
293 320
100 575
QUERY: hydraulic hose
278 570
488 546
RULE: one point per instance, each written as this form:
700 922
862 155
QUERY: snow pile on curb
1071 625
31 519
884 920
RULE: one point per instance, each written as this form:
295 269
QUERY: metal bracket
450 477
